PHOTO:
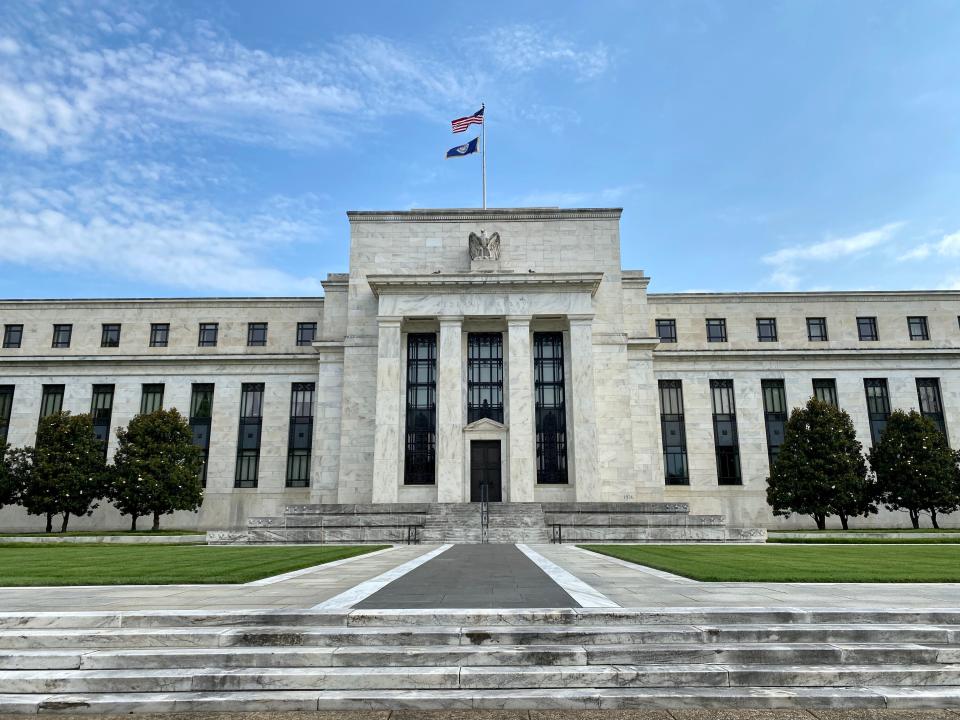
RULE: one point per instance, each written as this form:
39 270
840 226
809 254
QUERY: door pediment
484 425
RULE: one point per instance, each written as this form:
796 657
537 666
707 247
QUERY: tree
63 474
916 469
820 469
9 485
156 468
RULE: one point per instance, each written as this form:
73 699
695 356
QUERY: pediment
484 424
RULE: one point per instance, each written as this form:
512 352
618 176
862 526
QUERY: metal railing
484 511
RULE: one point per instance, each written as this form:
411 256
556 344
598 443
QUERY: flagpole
483 154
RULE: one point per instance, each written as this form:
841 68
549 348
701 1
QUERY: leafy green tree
64 473
916 469
156 469
9 485
820 470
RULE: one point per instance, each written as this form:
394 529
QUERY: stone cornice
787 297
796 353
476 214
111 304
484 283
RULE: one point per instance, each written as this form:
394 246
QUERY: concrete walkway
473 576
463 581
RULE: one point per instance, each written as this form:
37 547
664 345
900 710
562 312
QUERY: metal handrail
484 511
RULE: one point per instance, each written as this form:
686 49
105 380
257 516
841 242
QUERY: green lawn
82 533
876 530
25 564
797 563
916 540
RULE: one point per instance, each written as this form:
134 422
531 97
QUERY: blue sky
165 149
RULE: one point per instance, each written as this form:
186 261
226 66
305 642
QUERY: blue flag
465 149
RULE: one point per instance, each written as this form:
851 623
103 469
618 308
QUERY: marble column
450 411
523 467
581 393
389 423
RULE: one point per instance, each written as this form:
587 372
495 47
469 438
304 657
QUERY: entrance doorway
485 470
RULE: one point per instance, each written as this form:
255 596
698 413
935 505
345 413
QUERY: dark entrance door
485 470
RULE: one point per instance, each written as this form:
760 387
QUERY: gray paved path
473 576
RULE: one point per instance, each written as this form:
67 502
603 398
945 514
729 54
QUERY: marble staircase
181 661
508 523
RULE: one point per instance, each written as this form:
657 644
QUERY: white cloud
788 262
524 48
947 246
67 88
122 230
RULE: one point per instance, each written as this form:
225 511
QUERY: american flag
461 124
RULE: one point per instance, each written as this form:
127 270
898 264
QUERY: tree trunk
66 519
156 520
133 523
933 518
915 518
821 521
49 522
843 522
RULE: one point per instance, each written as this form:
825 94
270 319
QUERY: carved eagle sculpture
483 247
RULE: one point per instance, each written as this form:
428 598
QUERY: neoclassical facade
481 353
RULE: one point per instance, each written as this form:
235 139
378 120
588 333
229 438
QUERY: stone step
532 618
493 655
871 697
480 678
331 636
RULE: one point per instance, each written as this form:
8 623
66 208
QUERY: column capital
450 319
389 320
519 319
585 318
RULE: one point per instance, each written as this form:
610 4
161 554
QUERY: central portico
466 364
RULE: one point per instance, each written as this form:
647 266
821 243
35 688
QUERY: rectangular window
867 328
101 408
931 402
6 409
208 334
306 333
110 335
825 390
878 406
420 448
667 330
159 334
917 325
201 411
766 329
300 444
726 441
550 409
817 329
774 416
151 398
51 400
674 433
716 330
484 376
257 334
248 440
61 335
12 336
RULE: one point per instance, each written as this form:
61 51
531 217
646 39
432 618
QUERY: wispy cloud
524 48
788 263
947 246
604 196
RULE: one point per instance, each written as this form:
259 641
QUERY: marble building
466 353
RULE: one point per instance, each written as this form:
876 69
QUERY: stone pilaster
581 395
386 454
523 469
450 411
